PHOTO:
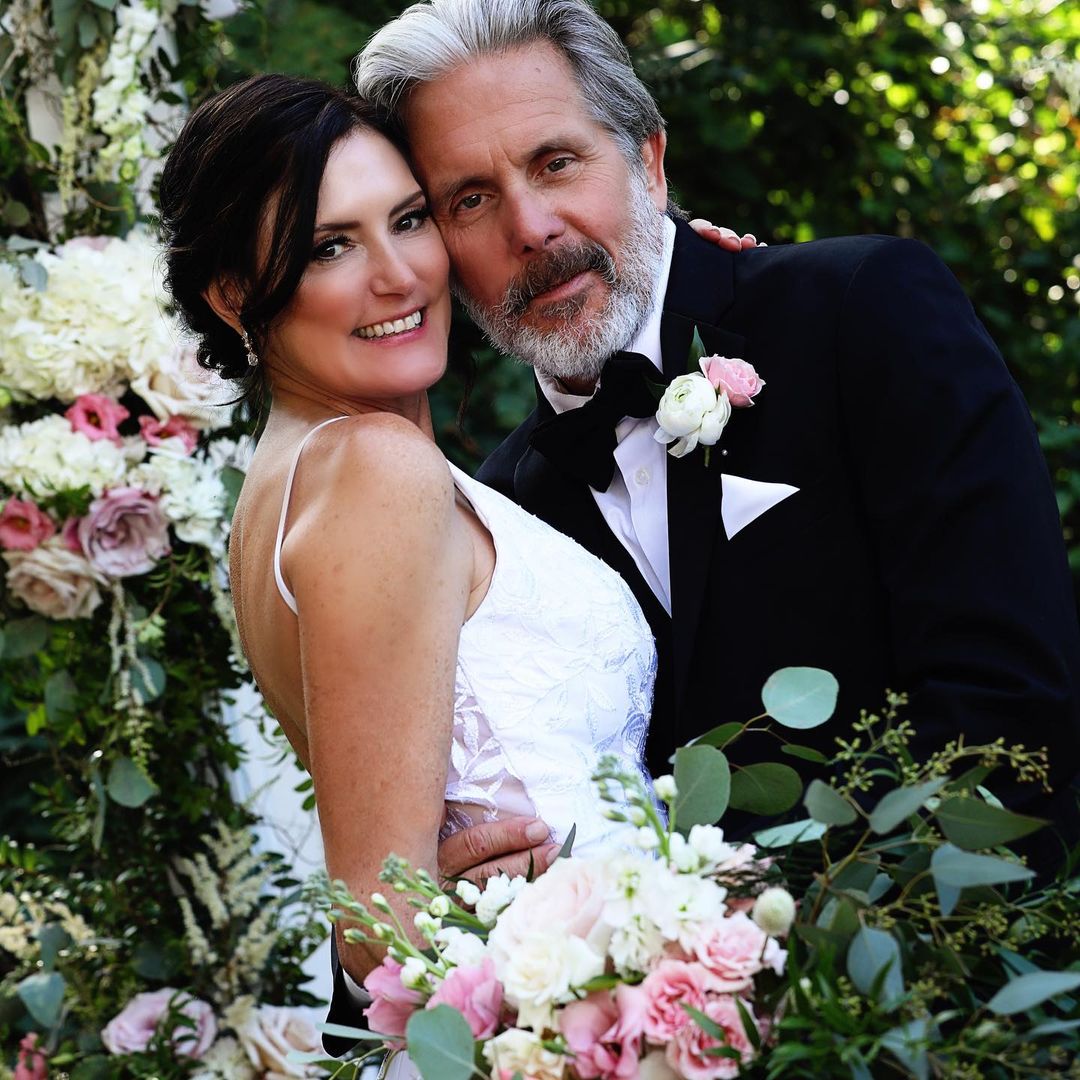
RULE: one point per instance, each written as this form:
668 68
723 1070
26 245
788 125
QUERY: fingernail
536 831
552 853
750 236
729 232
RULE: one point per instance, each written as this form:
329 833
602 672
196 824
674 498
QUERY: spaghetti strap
286 593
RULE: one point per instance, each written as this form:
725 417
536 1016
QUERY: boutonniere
696 407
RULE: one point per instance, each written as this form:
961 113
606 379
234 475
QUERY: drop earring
252 357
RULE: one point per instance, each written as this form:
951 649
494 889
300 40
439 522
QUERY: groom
882 511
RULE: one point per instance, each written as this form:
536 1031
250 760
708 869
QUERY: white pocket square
746 500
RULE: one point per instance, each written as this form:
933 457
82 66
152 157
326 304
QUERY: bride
436 656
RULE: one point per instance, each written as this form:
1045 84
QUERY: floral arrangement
886 932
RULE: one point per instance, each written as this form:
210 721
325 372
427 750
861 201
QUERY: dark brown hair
266 138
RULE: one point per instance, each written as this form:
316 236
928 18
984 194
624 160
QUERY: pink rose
688 1053
155 431
670 985
97 417
31 1063
734 950
476 994
124 532
736 377
23 526
604 1033
131 1030
69 536
392 1003
90 243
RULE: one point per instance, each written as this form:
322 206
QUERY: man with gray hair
883 511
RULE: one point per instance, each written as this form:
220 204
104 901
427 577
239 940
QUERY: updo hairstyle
259 145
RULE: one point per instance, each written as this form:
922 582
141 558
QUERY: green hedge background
955 123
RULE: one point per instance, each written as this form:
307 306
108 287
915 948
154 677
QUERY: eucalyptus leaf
907 1043
1026 991
971 823
827 805
800 697
33 274
151 685
805 753
766 787
441 1044
871 952
16 215
232 480
1054 1027
703 782
128 785
795 832
344 1031
43 995
719 736
24 637
88 30
61 696
948 897
963 869
52 937
897 806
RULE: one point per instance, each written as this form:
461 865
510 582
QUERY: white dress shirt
635 504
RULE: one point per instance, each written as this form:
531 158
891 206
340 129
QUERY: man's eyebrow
345 226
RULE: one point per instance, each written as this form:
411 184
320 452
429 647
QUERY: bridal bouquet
651 961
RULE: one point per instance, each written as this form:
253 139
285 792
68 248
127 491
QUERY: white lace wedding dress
555 668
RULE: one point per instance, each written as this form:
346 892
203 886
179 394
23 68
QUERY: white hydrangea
98 323
191 492
47 456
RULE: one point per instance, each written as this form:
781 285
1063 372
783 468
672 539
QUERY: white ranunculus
46 456
498 892
516 1051
714 421
684 405
461 948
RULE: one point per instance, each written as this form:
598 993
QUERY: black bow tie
582 441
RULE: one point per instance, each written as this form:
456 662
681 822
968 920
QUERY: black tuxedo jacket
923 551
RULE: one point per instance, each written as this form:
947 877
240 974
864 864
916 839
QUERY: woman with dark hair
435 655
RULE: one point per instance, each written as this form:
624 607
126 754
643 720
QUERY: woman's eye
413 220
330 249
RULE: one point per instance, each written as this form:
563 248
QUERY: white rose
684 405
461 948
175 385
53 581
774 911
517 1051
269 1034
714 421
497 894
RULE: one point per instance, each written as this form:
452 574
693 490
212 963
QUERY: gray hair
430 39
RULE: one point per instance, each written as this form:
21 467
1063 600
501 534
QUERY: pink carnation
131 1030
97 417
156 431
669 986
31 1064
476 993
604 1033
124 532
392 1003
736 377
734 950
23 526
688 1053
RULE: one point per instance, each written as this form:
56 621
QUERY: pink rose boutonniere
696 407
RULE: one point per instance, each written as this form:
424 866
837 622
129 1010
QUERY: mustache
551 269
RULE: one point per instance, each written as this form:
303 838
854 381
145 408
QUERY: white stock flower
635 945
516 1051
497 894
683 857
716 853
774 911
461 948
680 904
414 974
665 788
468 893
46 456
192 495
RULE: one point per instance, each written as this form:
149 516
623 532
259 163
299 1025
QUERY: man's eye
469 202
558 164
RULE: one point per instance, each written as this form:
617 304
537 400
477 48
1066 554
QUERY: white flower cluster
191 495
22 917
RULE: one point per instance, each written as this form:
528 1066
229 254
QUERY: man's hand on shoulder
497 847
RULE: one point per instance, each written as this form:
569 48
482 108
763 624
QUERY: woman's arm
381 568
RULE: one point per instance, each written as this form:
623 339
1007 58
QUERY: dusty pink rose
736 377
476 993
124 532
687 1052
155 431
31 1063
392 1003
670 985
91 243
734 950
604 1033
23 525
131 1030
53 581
69 536
97 417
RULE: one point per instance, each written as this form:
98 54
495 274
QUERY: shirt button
642 477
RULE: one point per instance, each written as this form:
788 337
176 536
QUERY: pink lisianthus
23 526
734 950
130 1031
688 1053
31 1064
97 417
124 532
476 993
392 1004
156 432
736 377
669 986
604 1033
